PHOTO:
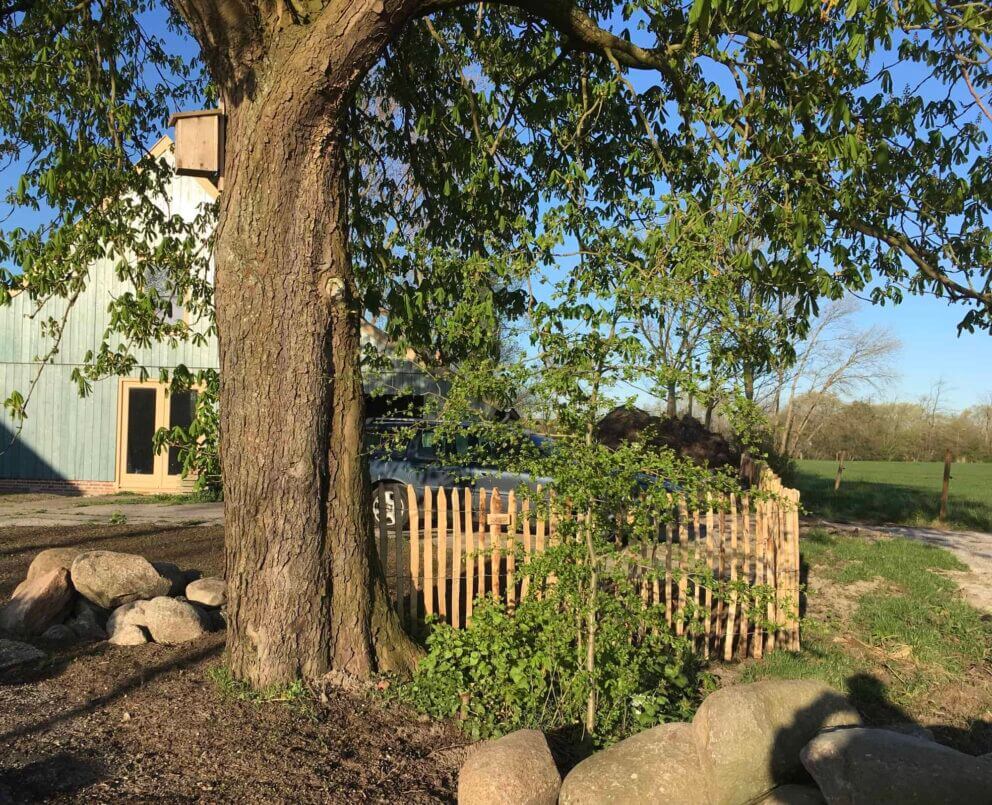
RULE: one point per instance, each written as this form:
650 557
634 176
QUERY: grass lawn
902 492
883 623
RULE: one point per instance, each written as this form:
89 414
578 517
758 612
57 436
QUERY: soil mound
685 435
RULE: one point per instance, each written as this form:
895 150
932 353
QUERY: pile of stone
793 742
72 596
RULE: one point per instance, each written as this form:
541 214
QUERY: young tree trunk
672 409
306 593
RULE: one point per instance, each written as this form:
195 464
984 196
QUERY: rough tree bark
306 594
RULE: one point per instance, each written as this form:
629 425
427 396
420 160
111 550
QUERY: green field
903 492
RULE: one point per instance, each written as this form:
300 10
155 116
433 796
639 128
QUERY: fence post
947 483
840 469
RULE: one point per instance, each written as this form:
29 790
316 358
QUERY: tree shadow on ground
870 696
875 502
140 677
60 775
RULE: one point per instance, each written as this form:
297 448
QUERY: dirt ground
141 724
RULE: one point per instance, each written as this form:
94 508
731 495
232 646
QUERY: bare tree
836 359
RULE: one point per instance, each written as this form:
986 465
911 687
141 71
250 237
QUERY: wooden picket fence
461 544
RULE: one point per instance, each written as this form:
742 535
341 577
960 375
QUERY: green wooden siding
66 437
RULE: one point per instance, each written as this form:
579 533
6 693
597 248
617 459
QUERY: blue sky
933 351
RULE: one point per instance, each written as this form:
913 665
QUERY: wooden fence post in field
947 483
840 470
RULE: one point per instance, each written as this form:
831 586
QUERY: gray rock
516 768
659 765
14 653
131 614
166 620
61 634
110 579
88 611
793 795
211 592
86 629
862 766
52 559
128 635
37 603
909 728
749 736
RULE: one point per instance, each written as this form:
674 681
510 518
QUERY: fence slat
401 566
708 593
428 551
442 552
469 556
728 644
745 570
456 560
413 514
528 548
511 559
495 509
481 542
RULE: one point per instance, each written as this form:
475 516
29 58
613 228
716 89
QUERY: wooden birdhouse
200 143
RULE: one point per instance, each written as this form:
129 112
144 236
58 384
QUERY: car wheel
394 498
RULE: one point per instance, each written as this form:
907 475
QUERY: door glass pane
182 408
140 429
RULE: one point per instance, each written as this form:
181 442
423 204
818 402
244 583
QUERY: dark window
182 410
140 429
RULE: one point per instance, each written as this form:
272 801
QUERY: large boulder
52 559
60 634
166 620
126 615
128 635
516 768
659 765
37 603
880 767
210 592
14 653
110 579
749 736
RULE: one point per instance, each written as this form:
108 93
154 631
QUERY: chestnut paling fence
727 573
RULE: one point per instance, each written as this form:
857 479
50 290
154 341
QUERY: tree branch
955 290
585 34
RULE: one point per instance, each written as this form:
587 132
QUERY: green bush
526 668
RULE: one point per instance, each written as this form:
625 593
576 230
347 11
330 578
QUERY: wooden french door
143 408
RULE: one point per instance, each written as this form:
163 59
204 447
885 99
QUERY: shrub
527 668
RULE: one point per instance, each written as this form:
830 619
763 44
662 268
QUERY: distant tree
835 359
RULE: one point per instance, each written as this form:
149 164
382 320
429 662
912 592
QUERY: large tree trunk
306 593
